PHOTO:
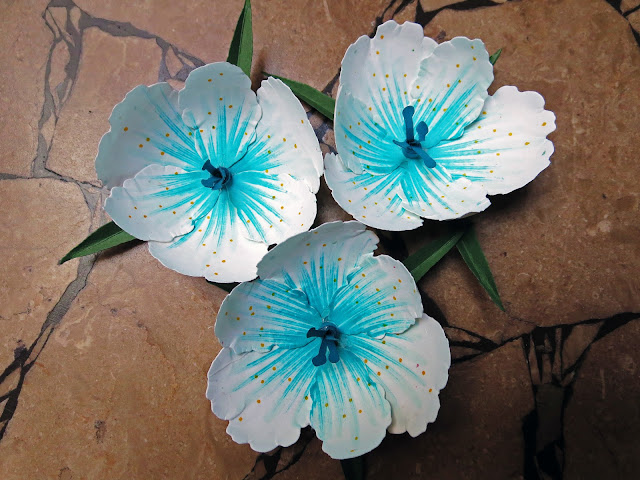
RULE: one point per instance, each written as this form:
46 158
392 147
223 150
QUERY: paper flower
418 136
211 175
330 336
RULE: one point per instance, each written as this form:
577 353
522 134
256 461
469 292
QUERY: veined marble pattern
104 359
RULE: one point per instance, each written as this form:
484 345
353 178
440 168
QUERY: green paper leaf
353 468
494 58
107 236
471 252
315 98
421 262
241 49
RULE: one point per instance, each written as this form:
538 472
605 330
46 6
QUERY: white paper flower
418 136
330 336
211 175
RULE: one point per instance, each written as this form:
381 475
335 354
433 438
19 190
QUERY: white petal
285 141
349 414
380 298
271 207
266 407
451 88
432 193
159 203
146 128
372 200
221 109
260 314
394 56
319 261
412 368
506 147
364 142
217 247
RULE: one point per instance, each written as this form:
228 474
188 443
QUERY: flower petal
451 88
349 414
285 140
319 261
381 298
362 138
260 314
146 128
506 147
217 247
378 71
264 395
271 207
432 193
374 200
221 109
412 368
160 202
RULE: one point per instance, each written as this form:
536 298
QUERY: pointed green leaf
323 103
241 49
421 262
494 58
353 468
471 252
107 236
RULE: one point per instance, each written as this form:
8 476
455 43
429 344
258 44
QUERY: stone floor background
104 359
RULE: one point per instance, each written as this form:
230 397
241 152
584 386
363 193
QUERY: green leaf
471 252
315 98
241 49
494 58
353 468
421 262
107 236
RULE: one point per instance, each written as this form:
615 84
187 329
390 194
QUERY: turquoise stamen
220 176
412 148
329 334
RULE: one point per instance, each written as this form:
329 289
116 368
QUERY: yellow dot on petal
240 418
258 401
326 404
140 145
526 143
166 135
230 106
377 52
262 381
284 139
423 372
126 128
161 153
418 87
430 390
400 360
209 80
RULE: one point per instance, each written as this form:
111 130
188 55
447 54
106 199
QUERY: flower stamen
220 176
412 148
329 334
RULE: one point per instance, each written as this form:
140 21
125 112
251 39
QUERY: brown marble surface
104 359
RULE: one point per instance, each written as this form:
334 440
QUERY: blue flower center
412 148
220 176
329 334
